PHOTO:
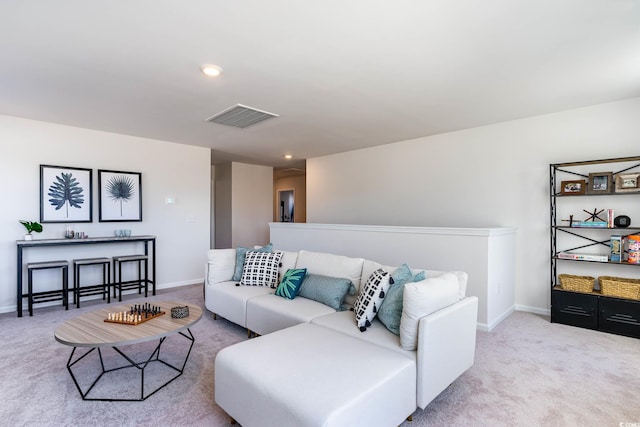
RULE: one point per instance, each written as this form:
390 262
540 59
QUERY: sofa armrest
446 347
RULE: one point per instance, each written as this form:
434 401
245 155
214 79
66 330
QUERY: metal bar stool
55 295
119 285
98 289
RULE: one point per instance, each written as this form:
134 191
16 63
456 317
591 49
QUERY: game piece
136 314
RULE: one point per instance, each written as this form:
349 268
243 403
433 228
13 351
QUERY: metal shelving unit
590 310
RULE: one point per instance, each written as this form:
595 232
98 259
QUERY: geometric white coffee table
90 331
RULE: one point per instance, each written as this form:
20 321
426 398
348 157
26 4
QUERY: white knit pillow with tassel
371 297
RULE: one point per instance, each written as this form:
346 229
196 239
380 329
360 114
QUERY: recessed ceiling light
211 70
288 156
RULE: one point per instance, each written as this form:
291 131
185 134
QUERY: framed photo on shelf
600 183
120 196
627 182
65 194
570 188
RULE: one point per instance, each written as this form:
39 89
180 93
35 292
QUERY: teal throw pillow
325 289
241 253
419 277
291 282
390 311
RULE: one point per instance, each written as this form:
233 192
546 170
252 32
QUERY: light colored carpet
528 372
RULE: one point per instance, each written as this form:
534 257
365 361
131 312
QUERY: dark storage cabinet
619 316
594 311
572 308
591 310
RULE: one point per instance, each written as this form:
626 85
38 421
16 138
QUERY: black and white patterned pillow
371 297
261 269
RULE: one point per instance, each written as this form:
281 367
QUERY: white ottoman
308 376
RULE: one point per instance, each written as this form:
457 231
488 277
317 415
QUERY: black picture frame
600 183
65 194
119 196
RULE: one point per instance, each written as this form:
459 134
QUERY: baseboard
489 327
534 310
162 286
482 327
182 283
518 307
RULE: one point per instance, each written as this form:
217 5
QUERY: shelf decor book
590 224
583 257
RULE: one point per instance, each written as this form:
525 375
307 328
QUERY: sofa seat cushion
309 375
270 313
229 300
377 333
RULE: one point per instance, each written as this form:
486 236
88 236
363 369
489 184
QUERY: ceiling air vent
240 116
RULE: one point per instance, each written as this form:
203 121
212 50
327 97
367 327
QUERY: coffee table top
90 329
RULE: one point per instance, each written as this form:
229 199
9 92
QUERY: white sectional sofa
312 365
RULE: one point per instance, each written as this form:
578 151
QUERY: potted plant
31 226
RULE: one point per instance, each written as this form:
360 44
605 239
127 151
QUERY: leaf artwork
290 281
120 189
66 191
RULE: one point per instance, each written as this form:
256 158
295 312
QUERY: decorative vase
28 236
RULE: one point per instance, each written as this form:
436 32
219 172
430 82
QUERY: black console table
22 244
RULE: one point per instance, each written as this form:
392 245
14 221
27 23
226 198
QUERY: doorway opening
286 205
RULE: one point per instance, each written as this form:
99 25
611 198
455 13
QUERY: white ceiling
342 75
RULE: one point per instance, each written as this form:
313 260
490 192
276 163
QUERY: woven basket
569 282
620 287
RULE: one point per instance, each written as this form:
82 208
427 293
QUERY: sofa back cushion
369 267
334 266
221 264
463 278
287 262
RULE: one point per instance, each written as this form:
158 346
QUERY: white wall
252 204
244 204
491 176
223 214
168 169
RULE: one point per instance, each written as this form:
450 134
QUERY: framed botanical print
65 194
120 196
